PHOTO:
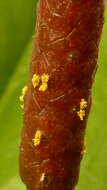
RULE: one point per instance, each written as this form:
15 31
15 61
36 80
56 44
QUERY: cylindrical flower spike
58 98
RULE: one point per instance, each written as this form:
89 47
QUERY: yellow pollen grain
81 114
43 87
24 90
37 138
45 78
21 98
83 103
22 106
35 80
83 106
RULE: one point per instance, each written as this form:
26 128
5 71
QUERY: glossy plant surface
58 98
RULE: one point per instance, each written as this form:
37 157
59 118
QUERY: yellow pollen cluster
37 138
83 106
44 85
24 90
45 78
44 81
35 80
83 103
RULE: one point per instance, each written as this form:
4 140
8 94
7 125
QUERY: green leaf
16 28
93 169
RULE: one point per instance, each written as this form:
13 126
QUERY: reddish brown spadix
58 99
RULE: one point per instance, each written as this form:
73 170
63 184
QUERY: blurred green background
17 21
